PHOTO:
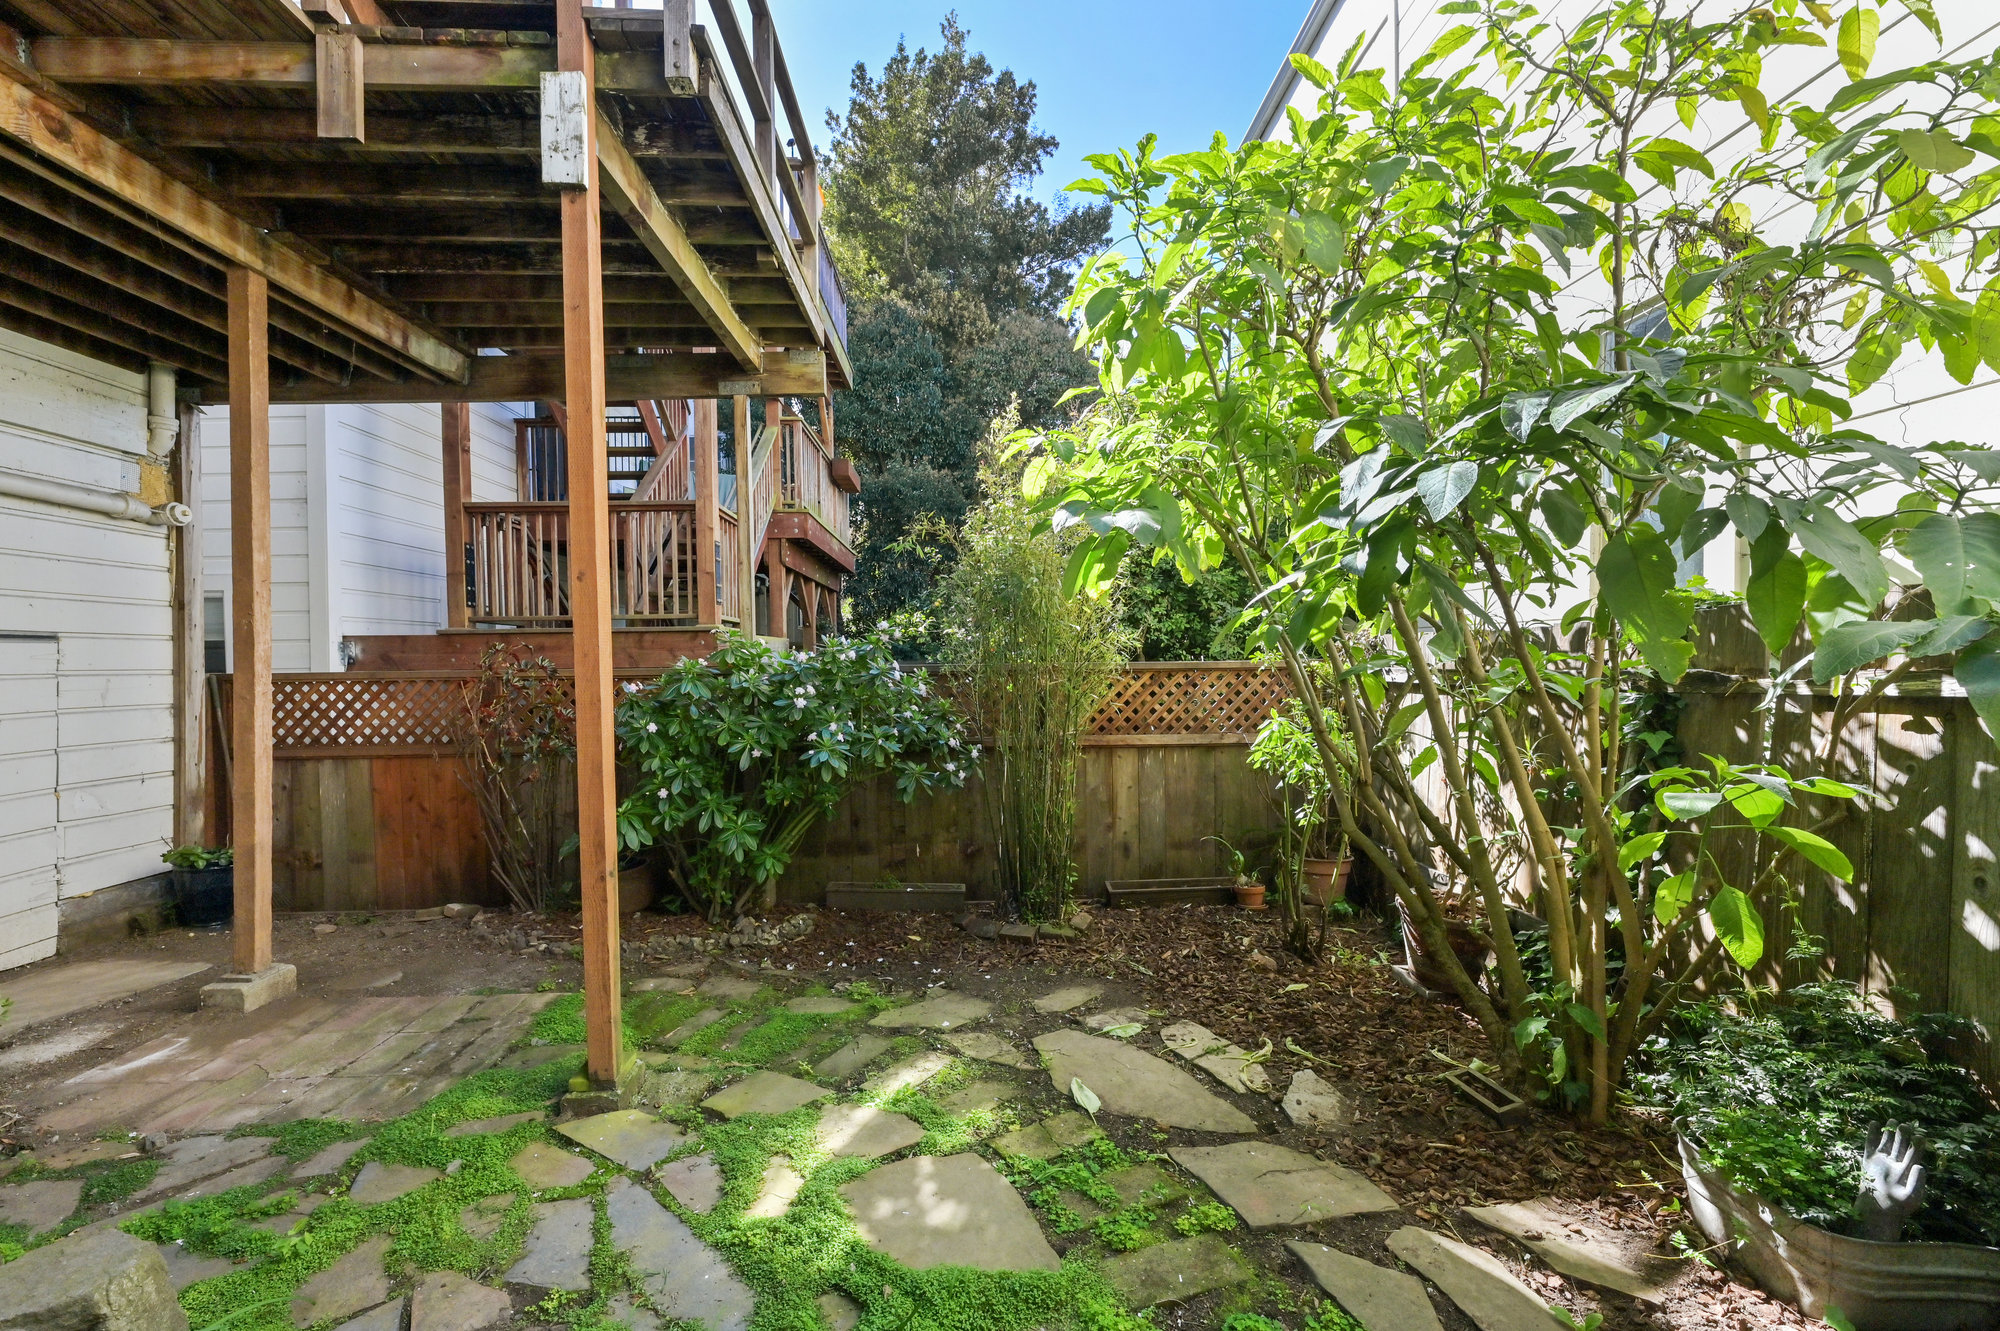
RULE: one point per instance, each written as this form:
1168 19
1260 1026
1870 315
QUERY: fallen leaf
1085 1097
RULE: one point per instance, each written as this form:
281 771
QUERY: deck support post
707 522
457 431
589 571
746 516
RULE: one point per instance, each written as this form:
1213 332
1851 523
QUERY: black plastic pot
204 898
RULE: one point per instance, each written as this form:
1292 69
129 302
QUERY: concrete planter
920 898
1875 1286
1218 891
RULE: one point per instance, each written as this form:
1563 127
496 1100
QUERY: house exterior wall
86 650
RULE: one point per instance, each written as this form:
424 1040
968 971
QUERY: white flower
652 727
663 792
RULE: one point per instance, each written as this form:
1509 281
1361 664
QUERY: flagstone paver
501 1124
728 987
1484 1290
39 1206
1134 1083
779 1189
865 1131
286 1223
1580 1251
1118 1016
692 1027
979 1096
1377 1297
1146 1184
558 1251
1273 1185
355 1282
623 1311
939 1012
1171 1272
61 990
680 1274
387 1317
186 1268
819 1005
447 1301
1313 1102
541 1165
189 1162
329 1160
485 1217
678 1086
378 1182
851 1057
536 1055
1072 996
952 1210
990 1049
632 1137
910 1072
86 1153
764 1093
672 984
1049 1138
841 1313
1229 1064
695 1182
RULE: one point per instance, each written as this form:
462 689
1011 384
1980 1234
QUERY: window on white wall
214 635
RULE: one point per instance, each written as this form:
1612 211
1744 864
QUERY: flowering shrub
736 757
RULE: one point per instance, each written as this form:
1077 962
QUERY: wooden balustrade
729 571
807 482
519 570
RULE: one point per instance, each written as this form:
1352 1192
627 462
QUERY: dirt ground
1348 1020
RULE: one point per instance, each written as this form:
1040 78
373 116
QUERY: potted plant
636 890
203 891
1249 892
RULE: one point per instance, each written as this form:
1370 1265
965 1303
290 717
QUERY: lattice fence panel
1190 700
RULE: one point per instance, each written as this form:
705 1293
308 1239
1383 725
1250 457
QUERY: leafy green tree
1498 347
1173 619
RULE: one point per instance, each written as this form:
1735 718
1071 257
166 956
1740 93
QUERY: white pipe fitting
163 423
121 506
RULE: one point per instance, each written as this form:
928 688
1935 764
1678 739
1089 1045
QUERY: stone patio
1134 1083
947 1211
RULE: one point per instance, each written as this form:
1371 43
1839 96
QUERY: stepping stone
695 1182
1134 1083
558 1251
686 970
1049 1138
186 1268
940 1012
672 984
501 1124
1227 1063
819 1005
1273 1185
979 1096
677 1086
39 1206
351 1284
764 1093
850 1058
447 1301
377 1182
1484 1290
1147 1185
536 1055
197 1159
1118 1016
87 1153
630 1315
1375 1296
1171 1272
286 1223
541 1165
990 1049
1312 1102
728 987
911 1072
1062 1000
329 1160
866 1132
780 1188
840 1312
487 1216
632 1137
693 1026
680 1274
388 1317
1581 1252
954 1210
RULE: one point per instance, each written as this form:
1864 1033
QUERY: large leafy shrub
516 731
733 759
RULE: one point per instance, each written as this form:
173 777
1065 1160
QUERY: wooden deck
460 649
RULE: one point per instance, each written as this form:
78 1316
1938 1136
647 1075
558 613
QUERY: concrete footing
247 993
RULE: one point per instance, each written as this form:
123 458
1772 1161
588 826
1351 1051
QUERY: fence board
1973 958
1909 859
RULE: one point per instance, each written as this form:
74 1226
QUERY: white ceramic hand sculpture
1892 1184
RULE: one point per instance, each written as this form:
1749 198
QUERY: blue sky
1106 73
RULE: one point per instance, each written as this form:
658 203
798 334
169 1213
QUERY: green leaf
1636 578
1840 543
1950 634
1586 1020
1084 1096
1934 150
1672 896
1959 559
1443 489
1566 518
1978 672
1986 324
1815 849
1639 848
1382 176
1580 401
1858 28
1682 803
1875 352
1848 647
1738 924
1750 514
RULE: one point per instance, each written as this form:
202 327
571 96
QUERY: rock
351 1284
1581 1252
1060 933
681 1275
501 1124
1262 962
1019 933
377 1182
1484 1290
447 1301
728 987
692 970
780 1187
387 1317
1131 1082
1216 1056
675 1086
630 1315
955 1210
199 1159
541 1165
1081 921
328 1160
104 1281
487 1216
186 1268
1049 1138
990 1049
979 1096
324 929
247 993
1375 1296
1272 1185
632 1137
1312 1102
910 1072
939 1012
384 980
695 1182
865 1131
694 1025
558 1251
39 1206
764 1093
460 910
839 1312
1118 1016
88 1153
851 1057
1062 1000
1171 1272
663 984
980 926
819 1005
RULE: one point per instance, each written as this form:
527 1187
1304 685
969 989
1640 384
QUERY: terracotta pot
1324 882
635 888
1250 896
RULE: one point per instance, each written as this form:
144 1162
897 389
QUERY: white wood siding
29 840
291 537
